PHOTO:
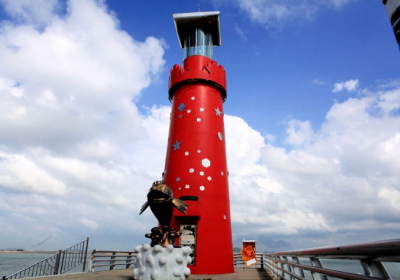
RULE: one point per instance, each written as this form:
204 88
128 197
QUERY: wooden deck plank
240 273
125 274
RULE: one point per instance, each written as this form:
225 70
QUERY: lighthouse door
188 238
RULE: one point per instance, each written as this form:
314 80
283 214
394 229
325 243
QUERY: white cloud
389 102
339 3
351 164
269 137
69 129
240 32
318 82
271 13
20 173
246 142
251 184
299 133
45 106
88 223
267 12
392 196
350 85
37 12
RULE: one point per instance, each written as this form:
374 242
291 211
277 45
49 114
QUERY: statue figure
161 201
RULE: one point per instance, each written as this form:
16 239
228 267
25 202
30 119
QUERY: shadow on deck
240 273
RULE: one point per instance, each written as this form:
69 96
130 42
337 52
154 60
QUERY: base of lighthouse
212 253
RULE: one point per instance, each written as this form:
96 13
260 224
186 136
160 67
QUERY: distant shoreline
29 252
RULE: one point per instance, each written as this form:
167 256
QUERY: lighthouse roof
206 21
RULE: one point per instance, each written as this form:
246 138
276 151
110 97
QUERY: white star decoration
217 112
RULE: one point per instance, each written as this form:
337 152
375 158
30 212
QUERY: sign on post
249 257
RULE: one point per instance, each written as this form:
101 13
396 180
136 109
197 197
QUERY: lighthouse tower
195 166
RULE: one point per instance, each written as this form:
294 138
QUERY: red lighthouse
195 166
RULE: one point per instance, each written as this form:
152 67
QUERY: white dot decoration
206 162
202 109
199 151
198 120
202 188
222 173
220 136
179 188
187 186
201 173
191 170
189 111
192 98
186 153
209 178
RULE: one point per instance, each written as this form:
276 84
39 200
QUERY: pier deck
125 274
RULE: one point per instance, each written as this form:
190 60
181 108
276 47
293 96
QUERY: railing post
112 261
62 260
299 270
281 272
375 268
317 263
57 264
84 261
128 260
262 261
91 265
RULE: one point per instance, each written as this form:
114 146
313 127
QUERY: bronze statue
161 201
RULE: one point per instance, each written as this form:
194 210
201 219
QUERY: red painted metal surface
196 166
201 69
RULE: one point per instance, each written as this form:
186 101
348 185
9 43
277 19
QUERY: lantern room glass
198 43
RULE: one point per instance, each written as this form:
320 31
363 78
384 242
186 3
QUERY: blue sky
312 120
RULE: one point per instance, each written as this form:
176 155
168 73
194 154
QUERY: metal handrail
112 259
58 263
283 265
382 248
74 256
286 265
